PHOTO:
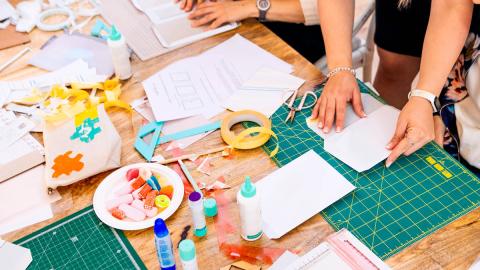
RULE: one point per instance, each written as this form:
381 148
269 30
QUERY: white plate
110 182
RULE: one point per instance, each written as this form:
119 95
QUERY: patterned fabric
455 89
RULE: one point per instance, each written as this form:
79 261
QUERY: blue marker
163 242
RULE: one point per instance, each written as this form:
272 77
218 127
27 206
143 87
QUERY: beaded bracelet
337 70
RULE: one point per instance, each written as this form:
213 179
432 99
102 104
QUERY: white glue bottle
186 250
120 54
250 213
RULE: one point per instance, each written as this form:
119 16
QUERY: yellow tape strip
244 140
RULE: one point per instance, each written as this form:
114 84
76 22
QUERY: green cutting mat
80 241
391 208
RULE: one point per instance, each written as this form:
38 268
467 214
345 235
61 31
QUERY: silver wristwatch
263 6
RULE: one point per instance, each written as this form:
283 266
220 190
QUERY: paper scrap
316 185
14 257
284 261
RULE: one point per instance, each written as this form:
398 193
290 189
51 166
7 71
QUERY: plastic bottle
120 54
250 213
163 242
195 201
186 250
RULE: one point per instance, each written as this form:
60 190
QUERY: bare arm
447 31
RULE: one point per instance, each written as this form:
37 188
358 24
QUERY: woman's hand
187 5
439 128
331 105
415 128
216 14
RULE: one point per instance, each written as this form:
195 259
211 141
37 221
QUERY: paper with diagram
199 85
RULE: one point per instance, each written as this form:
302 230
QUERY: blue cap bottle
163 242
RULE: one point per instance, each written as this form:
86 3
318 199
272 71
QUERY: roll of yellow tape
243 140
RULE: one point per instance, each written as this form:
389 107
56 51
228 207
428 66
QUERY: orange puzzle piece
64 164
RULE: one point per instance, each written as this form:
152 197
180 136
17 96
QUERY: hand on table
415 128
216 14
331 105
187 5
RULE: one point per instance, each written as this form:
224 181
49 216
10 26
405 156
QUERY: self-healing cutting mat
392 207
80 241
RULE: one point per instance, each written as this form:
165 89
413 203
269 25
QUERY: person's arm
336 21
447 30
218 13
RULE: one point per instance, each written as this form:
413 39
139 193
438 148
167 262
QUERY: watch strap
426 95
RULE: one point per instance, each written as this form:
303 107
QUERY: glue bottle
195 201
186 250
163 242
120 54
250 213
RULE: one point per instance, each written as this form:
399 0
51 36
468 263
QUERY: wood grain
453 247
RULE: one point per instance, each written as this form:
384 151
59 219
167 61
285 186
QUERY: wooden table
453 247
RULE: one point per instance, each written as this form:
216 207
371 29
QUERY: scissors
301 105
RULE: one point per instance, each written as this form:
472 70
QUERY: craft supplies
250 212
63 11
189 176
301 106
133 204
80 238
210 207
188 258
342 250
195 202
120 54
28 12
15 58
241 141
99 28
349 212
192 156
164 245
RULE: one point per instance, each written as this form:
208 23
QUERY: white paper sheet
284 261
362 146
264 92
26 218
14 257
23 192
200 84
297 191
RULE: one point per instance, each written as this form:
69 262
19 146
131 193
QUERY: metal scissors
301 105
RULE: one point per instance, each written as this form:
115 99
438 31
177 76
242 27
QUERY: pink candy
132 174
123 199
132 213
124 188
139 205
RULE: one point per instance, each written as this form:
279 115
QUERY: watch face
263 5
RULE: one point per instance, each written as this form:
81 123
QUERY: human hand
218 13
338 90
415 128
187 5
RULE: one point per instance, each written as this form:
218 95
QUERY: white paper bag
80 147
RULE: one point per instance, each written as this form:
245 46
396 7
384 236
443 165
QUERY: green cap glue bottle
248 201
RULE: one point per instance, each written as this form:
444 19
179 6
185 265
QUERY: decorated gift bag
80 147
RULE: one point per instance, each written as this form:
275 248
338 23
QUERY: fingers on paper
340 107
315 109
321 112
357 104
329 115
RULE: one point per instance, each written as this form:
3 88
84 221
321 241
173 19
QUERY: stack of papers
200 85
264 92
361 145
299 190
77 71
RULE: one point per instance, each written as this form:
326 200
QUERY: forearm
447 30
336 20
280 10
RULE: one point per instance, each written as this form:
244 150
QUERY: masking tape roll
243 139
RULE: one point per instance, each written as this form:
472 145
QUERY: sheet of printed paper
310 185
200 84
